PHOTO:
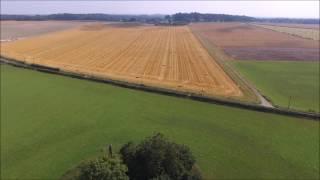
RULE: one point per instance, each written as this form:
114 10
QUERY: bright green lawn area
50 123
282 79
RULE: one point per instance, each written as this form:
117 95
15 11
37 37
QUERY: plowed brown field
13 30
167 57
249 42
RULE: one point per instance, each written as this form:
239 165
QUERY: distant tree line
85 17
197 17
170 19
288 20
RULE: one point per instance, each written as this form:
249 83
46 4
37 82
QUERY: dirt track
243 42
169 57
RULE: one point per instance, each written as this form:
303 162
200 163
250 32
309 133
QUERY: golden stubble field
166 57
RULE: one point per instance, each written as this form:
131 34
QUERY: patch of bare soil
13 30
292 54
245 41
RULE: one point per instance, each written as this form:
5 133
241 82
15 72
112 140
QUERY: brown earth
167 57
12 30
278 54
238 38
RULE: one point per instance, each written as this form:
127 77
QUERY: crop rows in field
169 57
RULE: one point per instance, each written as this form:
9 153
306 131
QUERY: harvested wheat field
166 57
248 42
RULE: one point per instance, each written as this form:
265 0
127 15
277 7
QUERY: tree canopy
155 158
104 168
158 158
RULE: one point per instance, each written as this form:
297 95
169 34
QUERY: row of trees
85 17
197 17
175 18
155 158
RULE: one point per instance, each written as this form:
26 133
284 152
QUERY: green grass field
50 123
282 79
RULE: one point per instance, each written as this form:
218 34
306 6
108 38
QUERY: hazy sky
298 9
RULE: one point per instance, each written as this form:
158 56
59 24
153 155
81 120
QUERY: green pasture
50 123
281 80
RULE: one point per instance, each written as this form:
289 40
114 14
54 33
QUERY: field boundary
251 93
222 58
193 96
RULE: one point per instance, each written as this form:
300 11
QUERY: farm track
223 59
166 57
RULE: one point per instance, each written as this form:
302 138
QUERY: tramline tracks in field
118 44
166 57
117 56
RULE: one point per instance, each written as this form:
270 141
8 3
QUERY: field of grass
50 123
280 80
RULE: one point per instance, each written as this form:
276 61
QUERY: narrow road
263 101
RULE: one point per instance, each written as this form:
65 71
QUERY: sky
291 9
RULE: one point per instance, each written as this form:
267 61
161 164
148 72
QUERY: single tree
158 158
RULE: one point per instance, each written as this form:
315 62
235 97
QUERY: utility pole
110 150
289 103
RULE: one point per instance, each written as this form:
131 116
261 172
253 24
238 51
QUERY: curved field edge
223 60
50 123
280 80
